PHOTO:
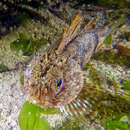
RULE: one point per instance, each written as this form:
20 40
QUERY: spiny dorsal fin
89 26
70 32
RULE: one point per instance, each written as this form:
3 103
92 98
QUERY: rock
124 48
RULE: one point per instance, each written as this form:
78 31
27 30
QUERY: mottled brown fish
56 79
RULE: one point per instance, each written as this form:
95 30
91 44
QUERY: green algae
113 3
22 80
40 42
125 35
0 112
126 84
126 96
118 123
22 44
107 105
43 5
72 124
26 45
114 20
112 57
30 118
24 19
112 106
100 79
108 39
3 67
96 77
86 67
119 19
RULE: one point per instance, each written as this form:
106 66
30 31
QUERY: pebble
11 100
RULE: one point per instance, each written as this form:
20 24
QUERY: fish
57 78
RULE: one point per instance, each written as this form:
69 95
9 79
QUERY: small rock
124 48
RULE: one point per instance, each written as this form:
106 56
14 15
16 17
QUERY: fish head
53 83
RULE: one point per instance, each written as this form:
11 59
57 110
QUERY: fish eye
59 83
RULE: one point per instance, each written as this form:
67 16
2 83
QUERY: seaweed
3 67
126 84
0 112
108 39
113 3
24 18
22 80
23 44
72 124
120 122
112 57
31 117
125 35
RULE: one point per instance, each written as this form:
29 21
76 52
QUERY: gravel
11 99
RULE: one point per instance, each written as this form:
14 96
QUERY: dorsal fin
89 26
70 32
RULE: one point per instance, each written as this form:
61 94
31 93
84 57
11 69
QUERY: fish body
62 62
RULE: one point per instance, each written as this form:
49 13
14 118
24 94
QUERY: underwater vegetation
120 122
31 117
22 79
25 45
22 44
3 67
114 4
126 84
112 57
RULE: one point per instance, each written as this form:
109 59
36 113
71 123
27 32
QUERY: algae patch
108 39
120 122
22 44
113 3
112 57
3 67
126 84
22 80
125 35
24 19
